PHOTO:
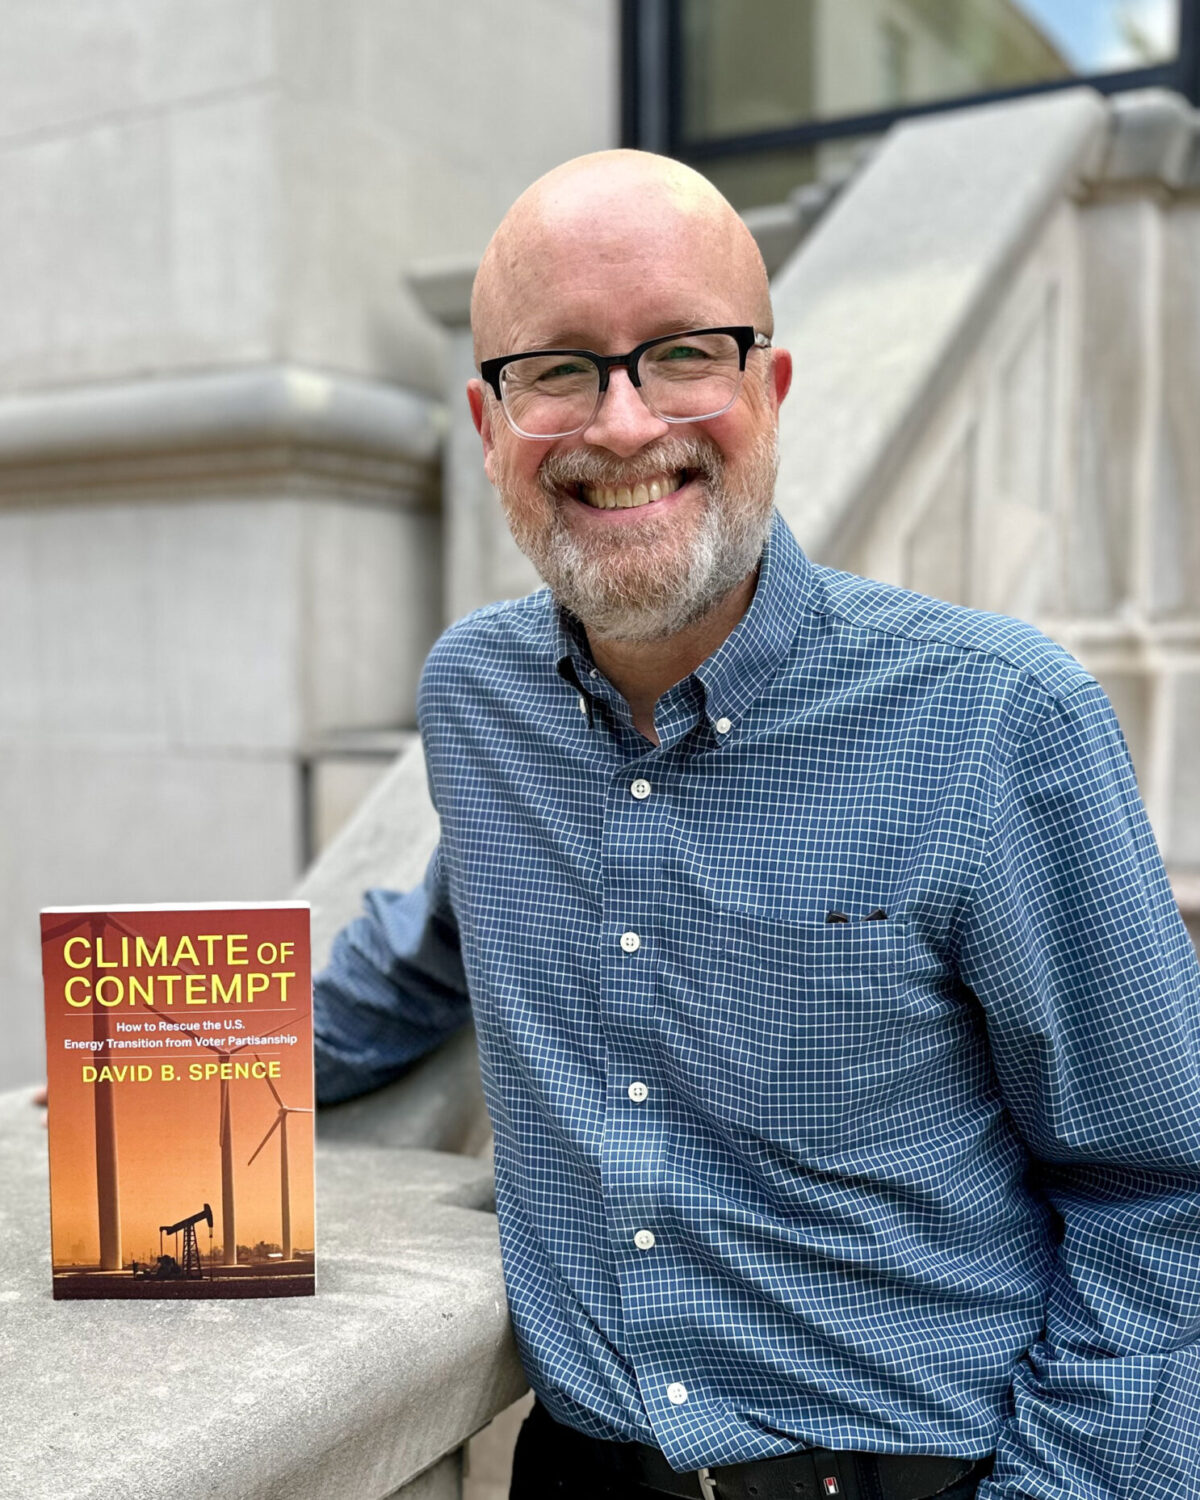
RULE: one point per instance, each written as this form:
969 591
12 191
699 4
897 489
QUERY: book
179 1061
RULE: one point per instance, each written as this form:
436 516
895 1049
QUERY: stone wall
996 395
204 580
220 418
236 181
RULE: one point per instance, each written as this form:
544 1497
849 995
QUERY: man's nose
623 423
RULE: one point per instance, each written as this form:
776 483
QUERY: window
895 53
755 92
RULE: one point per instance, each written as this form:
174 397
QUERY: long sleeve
393 990
1089 985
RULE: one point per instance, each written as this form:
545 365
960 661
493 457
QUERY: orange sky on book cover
168 1131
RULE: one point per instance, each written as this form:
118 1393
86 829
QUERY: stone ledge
437 1105
882 306
404 1352
387 843
779 228
186 430
1154 139
370 744
443 289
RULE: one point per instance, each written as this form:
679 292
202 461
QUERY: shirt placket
646 1255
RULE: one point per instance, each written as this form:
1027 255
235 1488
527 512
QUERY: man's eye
677 353
568 370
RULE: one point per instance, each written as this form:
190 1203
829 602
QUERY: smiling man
648 518
837 1025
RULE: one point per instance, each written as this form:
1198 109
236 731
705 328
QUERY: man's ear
482 417
781 374
478 410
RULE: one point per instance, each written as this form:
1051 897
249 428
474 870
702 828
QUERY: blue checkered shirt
924 1179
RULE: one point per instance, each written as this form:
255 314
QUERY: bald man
837 1025
677 571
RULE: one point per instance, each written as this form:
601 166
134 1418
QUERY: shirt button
638 1092
644 1239
595 672
582 704
723 726
640 789
676 1393
630 942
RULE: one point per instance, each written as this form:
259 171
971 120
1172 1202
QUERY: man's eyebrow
569 340
572 339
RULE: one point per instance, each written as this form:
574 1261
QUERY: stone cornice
1153 141
226 430
444 290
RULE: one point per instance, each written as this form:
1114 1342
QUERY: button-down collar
736 673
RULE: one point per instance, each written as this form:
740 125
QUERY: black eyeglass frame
744 334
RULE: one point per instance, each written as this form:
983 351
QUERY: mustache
667 456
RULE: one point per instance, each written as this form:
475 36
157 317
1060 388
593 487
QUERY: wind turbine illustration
284 1183
228 1203
108 1186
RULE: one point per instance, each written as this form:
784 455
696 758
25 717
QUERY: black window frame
652 90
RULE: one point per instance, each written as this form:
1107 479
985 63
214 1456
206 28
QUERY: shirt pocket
817 1033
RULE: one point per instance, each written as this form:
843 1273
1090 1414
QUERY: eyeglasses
682 377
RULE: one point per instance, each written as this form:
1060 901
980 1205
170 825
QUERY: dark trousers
551 1461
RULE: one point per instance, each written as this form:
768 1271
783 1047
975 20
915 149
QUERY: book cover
179 1063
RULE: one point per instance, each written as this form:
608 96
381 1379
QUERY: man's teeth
629 497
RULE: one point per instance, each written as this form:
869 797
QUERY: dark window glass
753 67
747 67
752 178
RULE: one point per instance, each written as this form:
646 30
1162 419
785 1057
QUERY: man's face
640 572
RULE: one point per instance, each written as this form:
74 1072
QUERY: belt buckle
706 1484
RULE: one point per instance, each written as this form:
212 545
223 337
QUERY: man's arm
393 990
1090 985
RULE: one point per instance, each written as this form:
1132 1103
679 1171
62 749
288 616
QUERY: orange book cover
179 1062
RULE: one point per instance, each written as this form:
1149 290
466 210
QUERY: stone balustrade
997 376
367 1389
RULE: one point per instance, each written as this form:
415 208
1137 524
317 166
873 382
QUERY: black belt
814 1474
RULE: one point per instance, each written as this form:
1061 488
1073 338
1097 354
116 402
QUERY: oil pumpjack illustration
285 1197
189 1265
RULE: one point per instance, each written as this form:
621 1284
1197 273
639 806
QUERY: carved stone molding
228 430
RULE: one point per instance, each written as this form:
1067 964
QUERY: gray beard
635 589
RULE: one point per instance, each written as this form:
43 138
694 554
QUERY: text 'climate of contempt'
143 968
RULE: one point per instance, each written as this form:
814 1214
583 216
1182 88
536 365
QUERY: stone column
482 563
220 416
204 580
